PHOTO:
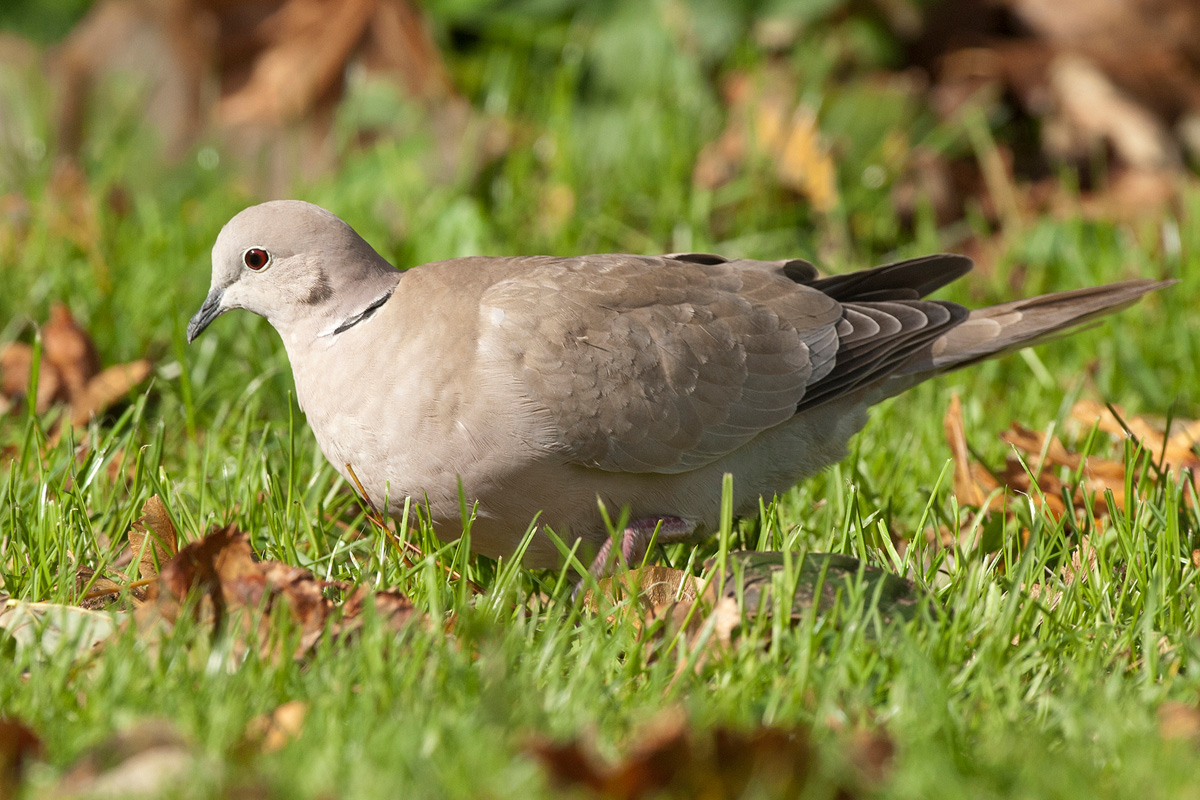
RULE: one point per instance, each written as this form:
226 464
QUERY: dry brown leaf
1177 450
16 361
222 577
672 758
269 733
269 74
765 120
1035 472
656 585
966 489
69 371
153 541
1179 721
69 349
1092 112
95 591
1147 47
303 51
1129 195
720 161
106 388
18 746
155 525
804 163
873 752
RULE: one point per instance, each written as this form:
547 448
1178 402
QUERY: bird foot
635 540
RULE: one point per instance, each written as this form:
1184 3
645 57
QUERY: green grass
988 693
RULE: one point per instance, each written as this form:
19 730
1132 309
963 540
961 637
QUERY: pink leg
635 539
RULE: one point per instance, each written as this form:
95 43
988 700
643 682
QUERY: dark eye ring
256 258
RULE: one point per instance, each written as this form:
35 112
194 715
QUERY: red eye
256 258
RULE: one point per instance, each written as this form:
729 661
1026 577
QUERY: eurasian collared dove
545 386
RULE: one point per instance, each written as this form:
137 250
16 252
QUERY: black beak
207 313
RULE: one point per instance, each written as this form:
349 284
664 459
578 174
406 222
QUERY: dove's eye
256 258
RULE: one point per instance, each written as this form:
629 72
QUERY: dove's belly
506 494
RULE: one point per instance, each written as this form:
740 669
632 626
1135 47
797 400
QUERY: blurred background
1052 140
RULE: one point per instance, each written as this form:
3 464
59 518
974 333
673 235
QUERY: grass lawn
1015 678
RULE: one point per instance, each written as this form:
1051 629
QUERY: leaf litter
1035 465
751 589
672 757
1078 488
216 581
69 372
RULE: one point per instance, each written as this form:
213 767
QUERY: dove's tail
1003 328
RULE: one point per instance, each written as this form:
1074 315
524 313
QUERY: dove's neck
369 294
338 300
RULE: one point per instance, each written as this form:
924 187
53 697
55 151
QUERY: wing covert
659 364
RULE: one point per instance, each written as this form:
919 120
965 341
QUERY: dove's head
295 264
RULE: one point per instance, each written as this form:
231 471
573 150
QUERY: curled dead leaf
152 539
220 578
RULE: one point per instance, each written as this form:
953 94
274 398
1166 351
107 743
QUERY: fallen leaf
966 488
671 758
1177 448
268 76
873 752
1179 721
269 733
219 578
18 746
16 362
763 119
1092 112
69 371
95 592
804 163
68 348
106 388
655 587
153 539
44 629
1035 472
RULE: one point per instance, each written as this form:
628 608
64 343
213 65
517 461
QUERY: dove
541 389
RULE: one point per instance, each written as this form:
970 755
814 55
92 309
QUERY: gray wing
666 364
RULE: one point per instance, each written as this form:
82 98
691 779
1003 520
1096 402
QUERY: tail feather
1006 327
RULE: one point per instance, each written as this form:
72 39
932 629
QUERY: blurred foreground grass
991 692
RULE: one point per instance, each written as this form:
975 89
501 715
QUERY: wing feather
667 364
